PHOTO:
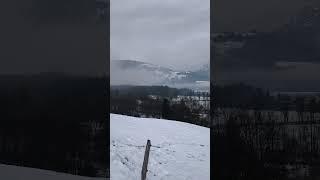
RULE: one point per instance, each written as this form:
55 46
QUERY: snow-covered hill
8 172
179 151
129 72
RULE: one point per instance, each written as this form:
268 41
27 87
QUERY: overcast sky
172 33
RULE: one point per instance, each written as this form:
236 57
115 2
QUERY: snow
179 151
8 172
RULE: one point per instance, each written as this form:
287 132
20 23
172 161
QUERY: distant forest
161 102
164 91
249 97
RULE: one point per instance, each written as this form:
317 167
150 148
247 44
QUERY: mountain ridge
143 73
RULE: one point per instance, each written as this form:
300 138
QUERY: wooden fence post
145 161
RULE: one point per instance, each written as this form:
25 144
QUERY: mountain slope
298 41
141 73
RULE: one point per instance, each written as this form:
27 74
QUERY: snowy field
8 172
179 151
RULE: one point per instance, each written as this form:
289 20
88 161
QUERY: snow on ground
179 151
8 172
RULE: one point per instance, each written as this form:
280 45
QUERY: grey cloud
169 33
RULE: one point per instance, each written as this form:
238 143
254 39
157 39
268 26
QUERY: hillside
179 150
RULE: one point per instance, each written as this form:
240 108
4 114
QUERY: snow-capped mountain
141 73
150 69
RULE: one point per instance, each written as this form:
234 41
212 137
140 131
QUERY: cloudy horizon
174 34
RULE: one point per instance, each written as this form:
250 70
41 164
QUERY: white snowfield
179 151
8 172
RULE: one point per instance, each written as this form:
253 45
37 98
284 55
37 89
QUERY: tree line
244 96
159 102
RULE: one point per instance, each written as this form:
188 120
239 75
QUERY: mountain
296 41
131 72
286 59
202 74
